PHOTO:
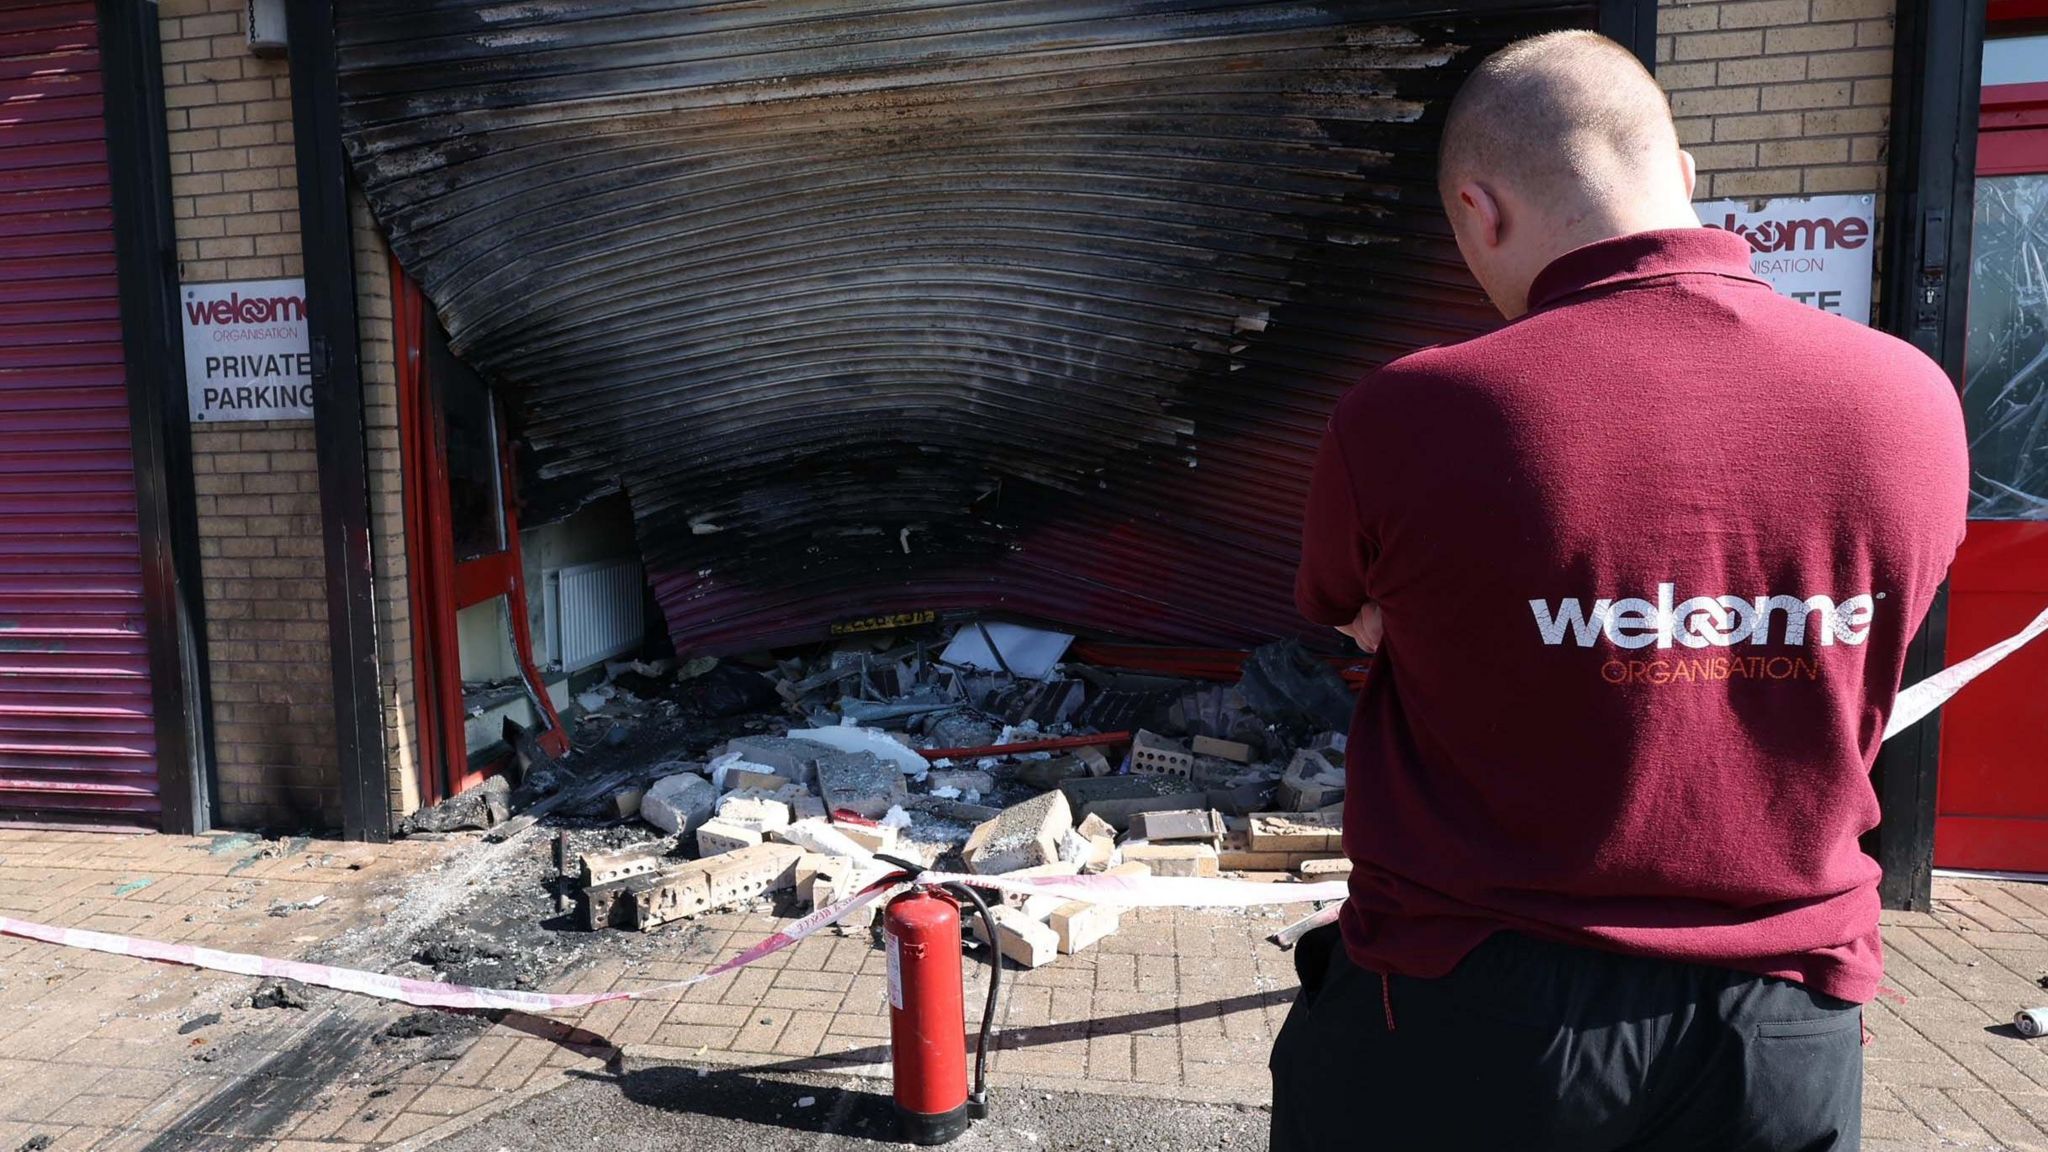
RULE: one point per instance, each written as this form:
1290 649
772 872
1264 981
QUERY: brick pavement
1179 1001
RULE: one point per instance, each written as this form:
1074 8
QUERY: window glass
2016 60
2005 386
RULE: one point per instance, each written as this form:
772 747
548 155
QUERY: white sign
247 350
1815 249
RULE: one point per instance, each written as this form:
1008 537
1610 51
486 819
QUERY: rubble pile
783 778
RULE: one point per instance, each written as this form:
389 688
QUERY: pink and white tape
1916 702
1122 890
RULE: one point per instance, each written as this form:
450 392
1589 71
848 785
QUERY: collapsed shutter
76 737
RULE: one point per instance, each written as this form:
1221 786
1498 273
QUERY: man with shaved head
1640 567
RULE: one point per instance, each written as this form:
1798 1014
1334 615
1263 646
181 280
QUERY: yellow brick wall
263 565
234 196
1780 97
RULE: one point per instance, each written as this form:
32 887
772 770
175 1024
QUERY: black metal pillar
1931 192
339 440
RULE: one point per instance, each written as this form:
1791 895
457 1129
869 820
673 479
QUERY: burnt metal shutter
929 305
77 740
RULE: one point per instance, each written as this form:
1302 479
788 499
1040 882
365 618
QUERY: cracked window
2005 387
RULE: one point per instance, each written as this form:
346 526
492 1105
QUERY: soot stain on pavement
277 1091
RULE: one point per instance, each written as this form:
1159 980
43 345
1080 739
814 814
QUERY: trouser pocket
1805 1083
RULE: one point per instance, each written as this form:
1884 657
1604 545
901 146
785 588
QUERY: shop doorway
1993 794
472 643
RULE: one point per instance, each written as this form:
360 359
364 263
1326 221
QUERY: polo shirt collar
1639 256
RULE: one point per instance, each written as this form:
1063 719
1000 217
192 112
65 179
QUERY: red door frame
439 586
1992 806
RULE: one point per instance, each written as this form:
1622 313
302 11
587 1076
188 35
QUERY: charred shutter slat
1033 305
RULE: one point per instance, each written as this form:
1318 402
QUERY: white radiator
592 612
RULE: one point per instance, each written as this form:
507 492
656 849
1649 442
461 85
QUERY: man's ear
1481 212
1689 169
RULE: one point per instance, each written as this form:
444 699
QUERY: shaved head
1567 114
1560 137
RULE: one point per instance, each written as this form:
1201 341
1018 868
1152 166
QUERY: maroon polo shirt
1649 557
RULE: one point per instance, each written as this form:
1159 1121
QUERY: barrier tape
1134 891
1129 891
1913 704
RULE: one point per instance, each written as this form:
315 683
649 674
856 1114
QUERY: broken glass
2005 386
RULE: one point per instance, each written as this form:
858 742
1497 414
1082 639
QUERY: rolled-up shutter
76 734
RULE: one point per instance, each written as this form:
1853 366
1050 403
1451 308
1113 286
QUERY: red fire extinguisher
928 1040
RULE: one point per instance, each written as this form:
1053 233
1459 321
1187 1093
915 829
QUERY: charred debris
989 748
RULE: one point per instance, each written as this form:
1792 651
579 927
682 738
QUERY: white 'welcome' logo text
1705 621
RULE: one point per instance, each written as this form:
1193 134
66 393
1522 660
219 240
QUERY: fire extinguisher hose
977 1100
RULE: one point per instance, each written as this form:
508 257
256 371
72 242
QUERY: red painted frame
438 586
2015 11
1991 810
2012 130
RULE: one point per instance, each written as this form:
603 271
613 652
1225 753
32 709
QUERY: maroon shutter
76 739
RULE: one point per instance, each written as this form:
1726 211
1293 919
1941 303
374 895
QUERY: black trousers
1530 1046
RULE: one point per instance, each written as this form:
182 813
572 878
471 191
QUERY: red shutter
76 739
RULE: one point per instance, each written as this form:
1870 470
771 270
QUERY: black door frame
1931 187
146 271
339 439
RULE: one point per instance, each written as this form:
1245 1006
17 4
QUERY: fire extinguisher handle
977 1100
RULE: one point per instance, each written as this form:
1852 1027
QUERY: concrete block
749 872
1040 906
873 837
596 868
860 783
808 866
1312 781
607 905
817 836
1153 753
678 803
1242 799
1222 749
716 837
1056 868
664 897
1095 760
748 780
1020 938
1101 850
754 812
1325 868
848 738
1318 832
1246 860
1212 772
1179 824
1091 826
1048 773
1077 925
627 801
795 759
964 780
1025 836
807 808
1116 799
1175 859
841 879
